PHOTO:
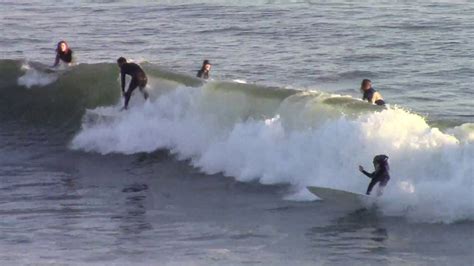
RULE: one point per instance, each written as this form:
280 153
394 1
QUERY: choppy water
214 173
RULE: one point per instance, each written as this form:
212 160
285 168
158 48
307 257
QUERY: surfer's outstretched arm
370 175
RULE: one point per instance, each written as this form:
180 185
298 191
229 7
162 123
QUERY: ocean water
215 173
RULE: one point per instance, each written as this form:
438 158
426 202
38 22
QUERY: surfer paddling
63 53
205 69
380 175
139 79
370 94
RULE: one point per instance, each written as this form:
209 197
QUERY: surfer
63 53
380 175
139 79
205 69
370 94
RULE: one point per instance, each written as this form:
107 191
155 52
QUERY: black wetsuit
139 79
369 94
203 74
381 175
65 57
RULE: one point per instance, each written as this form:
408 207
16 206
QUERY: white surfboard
342 197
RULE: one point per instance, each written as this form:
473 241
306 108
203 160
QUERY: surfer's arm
122 81
370 175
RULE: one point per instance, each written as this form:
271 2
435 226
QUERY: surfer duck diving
380 175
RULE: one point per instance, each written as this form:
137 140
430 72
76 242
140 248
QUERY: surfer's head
121 61
62 47
206 65
365 85
380 160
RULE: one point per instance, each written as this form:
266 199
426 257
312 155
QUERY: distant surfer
370 94
139 79
205 69
63 53
380 175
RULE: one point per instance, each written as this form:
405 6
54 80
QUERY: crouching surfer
380 175
139 79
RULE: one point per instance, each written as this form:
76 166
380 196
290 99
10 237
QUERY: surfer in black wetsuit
379 175
63 53
370 94
139 79
205 69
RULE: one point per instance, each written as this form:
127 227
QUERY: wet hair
364 82
121 60
58 47
204 63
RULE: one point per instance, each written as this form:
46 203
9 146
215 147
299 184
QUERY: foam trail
35 77
427 165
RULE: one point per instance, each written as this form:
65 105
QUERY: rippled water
418 55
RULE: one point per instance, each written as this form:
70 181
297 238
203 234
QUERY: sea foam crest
427 165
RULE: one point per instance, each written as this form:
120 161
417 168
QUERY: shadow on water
358 235
152 157
133 220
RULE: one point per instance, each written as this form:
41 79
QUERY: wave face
302 138
253 133
35 93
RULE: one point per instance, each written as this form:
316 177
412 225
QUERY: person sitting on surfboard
370 94
63 53
139 79
205 69
379 175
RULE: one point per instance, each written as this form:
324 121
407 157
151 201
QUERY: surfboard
341 197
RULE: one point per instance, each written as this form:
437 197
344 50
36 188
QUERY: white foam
431 171
242 81
464 132
35 77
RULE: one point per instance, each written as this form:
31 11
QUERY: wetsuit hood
381 158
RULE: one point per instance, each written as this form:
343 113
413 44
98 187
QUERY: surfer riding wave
380 175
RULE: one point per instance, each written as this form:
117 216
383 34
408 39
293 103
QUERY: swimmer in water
63 53
370 94
205 69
